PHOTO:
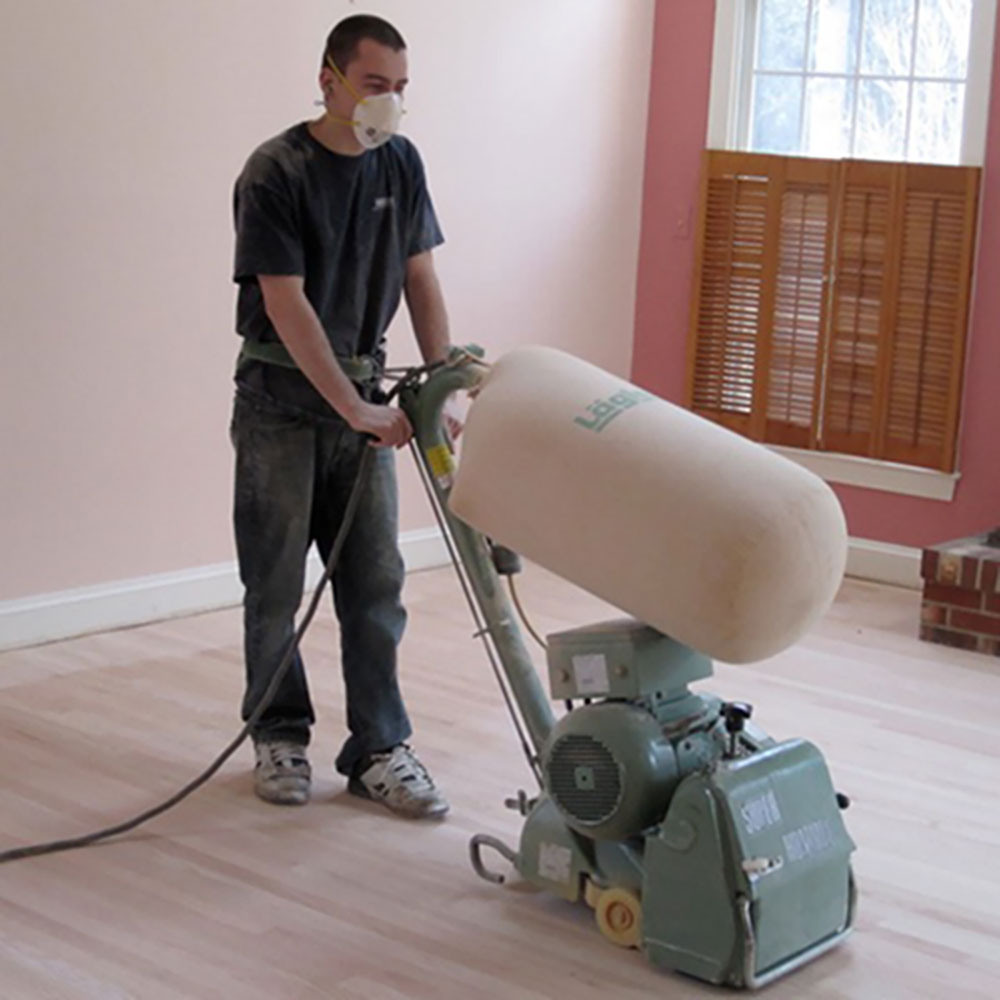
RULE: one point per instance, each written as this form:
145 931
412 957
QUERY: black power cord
410 376
35 850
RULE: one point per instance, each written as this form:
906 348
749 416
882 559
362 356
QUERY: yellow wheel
619 916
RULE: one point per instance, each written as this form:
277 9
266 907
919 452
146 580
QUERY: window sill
872 474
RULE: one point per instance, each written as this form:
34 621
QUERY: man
334 224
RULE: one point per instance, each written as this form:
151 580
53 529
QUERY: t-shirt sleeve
425 232
268 227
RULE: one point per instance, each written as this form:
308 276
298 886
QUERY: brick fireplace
961 604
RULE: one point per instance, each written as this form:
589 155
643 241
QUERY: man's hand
389 426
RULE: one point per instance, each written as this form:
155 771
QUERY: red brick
991 647
953 595
949 570
969 621
933 614
992 603
989 577
970 573
945 637
929 564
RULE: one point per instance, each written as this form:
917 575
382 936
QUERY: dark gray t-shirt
346 224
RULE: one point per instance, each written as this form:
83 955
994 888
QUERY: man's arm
302 334
425 303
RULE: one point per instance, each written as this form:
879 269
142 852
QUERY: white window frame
729 99
732 71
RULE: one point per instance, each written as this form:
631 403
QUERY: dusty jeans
295 468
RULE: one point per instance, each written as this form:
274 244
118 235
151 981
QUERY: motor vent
585 779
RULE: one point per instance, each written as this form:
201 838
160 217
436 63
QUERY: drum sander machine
714 849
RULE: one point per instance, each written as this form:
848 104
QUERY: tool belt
360 368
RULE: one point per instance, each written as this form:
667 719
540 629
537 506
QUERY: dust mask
376 119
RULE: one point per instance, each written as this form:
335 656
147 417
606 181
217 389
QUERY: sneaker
400 782
282 775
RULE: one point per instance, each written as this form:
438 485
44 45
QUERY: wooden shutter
859 320
758 312
831 301
797 338
730 281
926 351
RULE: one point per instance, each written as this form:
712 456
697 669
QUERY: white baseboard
68 613
422 549
898 565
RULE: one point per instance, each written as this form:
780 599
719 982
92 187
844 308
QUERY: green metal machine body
717 851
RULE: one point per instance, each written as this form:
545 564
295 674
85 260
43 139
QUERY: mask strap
344 81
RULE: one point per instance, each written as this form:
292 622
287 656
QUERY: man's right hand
388 425
300 331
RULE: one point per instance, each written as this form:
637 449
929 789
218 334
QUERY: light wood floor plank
227 897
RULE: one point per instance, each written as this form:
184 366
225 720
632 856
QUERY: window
882 79
833 270
902 80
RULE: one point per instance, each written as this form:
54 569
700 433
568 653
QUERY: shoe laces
282 754
405 766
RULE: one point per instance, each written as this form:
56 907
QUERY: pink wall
678 116
125 125
678 120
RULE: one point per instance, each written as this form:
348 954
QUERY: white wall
125 123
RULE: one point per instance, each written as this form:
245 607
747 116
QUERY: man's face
375 69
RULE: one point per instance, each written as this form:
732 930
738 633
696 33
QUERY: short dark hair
342 42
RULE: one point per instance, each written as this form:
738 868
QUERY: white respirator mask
376 119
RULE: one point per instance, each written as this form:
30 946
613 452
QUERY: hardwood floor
227 897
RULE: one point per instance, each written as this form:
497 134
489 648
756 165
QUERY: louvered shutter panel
830 303
799 318
729 287
857 339
927 338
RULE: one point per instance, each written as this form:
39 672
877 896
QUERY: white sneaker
400 782
282 775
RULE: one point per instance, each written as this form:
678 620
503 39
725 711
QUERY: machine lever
736 714
522 804
477 843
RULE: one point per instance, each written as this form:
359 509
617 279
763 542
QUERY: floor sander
717 851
